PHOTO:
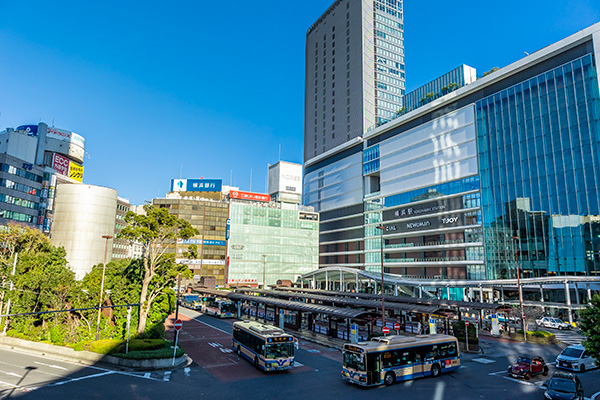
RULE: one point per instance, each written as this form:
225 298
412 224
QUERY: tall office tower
354 72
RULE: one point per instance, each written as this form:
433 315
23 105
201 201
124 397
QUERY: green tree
589 324
157 231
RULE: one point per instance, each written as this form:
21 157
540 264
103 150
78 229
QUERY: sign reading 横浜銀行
196 185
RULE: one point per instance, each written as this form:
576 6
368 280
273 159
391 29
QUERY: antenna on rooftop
250 179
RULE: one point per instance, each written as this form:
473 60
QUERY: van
575 358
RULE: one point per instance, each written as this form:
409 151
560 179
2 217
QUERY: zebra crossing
570 337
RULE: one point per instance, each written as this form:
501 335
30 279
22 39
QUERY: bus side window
415 356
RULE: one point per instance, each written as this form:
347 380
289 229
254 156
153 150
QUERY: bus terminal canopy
452 304
285 304
351 301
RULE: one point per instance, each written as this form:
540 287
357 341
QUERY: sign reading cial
196 185
236 194
61 164
76 172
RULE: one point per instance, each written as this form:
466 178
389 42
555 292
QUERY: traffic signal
205 299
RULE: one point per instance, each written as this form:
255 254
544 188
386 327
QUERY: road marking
82 378
51 366
594 396
297 364
519 381
24 389
215 344
314 351
147 375
10 373
187 371
167 376
483 360
204 323
498 373
225 350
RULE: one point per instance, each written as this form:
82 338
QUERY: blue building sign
205 242
32 130
196 185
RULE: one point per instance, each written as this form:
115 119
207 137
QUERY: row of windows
448 188
389 54
388 105
388 10
19 187
390 63
389 79
22 173
390 88
389 96
16 216
387 70
390 22
389 38
5 198
403 357
382 27
396 49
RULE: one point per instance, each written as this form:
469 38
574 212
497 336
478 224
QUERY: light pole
264 271
515 238
381 228
107 237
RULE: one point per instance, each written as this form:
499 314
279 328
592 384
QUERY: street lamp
381 228
515 238
264 271
107 237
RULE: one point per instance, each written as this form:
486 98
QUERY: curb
88 357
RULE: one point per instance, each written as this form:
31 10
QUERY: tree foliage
157 231
589 325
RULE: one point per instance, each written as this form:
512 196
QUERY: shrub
104 346
165 352
459 332
142 345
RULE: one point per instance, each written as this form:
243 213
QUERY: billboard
431 207
236 194
61 164
425 224
196 185
205 242
76 172
32 130
285 177
65 135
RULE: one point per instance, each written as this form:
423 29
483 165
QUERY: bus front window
354 361
277 350
228 307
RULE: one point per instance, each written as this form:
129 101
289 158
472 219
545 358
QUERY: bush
142 345
166 352
459 332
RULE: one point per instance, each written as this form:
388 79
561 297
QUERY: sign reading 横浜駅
431 207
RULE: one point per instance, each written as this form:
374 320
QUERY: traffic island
162 358
535 337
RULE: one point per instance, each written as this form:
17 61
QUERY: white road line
483 360
594 396
147 375
51 366
81 378
167 376
187 371
297 364
204 323
10 373
23 388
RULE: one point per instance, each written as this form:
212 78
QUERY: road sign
397 327
385 330
467 323
178 324
523 316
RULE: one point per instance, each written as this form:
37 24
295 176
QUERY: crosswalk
568 337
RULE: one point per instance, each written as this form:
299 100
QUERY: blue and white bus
388 359
268 347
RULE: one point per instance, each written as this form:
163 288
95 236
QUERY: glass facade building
539 157
271 240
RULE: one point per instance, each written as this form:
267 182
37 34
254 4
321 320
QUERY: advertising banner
198 261
61 164
200 241
76 172
236 194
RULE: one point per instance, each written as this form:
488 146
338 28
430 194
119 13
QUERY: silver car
575 358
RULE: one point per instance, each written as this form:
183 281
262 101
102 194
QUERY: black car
563 386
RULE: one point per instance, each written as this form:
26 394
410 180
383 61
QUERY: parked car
575 358
527 366
551 322
563 385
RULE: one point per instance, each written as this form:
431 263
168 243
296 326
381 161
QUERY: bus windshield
277 350
354 361
228 307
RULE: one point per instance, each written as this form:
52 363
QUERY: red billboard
61 164
236 194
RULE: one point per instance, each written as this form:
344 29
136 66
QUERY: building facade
503 169
355 75
270 241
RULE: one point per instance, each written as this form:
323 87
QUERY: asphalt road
217 373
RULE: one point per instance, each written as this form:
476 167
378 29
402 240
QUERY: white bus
268 347
220 308
387 359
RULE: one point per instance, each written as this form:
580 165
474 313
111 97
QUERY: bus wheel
389 379
435 370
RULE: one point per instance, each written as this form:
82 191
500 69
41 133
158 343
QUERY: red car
527 366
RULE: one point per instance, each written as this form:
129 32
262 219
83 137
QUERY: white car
575 358
551 322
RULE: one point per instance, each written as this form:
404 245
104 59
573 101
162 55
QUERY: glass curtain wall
539 154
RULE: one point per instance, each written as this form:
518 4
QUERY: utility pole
381 228
515 238
107 237
11 288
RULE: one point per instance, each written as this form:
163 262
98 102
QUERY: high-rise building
502 169
355 76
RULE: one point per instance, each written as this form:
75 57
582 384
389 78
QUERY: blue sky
213 89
